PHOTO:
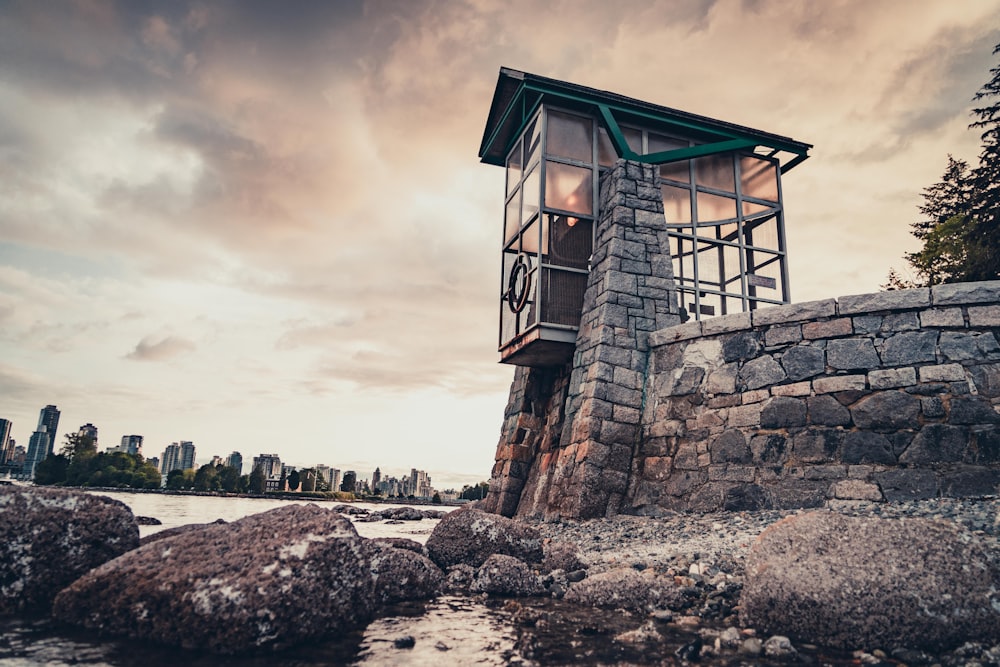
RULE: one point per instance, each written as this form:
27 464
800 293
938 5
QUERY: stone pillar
578 464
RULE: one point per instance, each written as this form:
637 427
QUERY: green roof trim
518 95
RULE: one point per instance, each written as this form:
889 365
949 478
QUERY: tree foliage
80 465
960 229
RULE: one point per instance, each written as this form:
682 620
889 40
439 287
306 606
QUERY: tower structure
187 454
621 218
6 444
131 444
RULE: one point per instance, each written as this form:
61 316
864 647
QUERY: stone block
825 410
761 372
731 473
942 373
879 301
852 353
972 410
616 432
726 323
867 324
967 345
682 381
856 489
783 412
937 443
674 334
755 396
730 447
900 322
723 401
910 347
744 415
824 472
625 414
985 445
902 484
769 449
892 378
794 312
684 481
830 329
861 471
745 498
942 317
624 396
932 407
968 481
817 445
798 493
984 316
867 447
794 389
740 346
986 377
657 468
837 383
722 380
886 410
803 361
780 335
960 293
629 379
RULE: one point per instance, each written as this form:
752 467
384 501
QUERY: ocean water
445 631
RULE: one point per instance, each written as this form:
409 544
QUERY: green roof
519 94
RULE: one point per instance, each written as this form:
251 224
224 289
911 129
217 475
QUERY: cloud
149 349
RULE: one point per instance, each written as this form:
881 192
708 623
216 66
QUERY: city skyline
268 230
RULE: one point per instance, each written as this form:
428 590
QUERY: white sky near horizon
264 227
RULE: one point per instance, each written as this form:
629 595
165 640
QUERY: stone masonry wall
885 396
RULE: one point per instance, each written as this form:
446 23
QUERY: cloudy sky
263 226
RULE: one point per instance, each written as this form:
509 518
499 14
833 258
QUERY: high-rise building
349 484
131 444
155 462
376 478
187 455
235 461
88 430
49 418
335 479
216 461
38 449
6 444
171 458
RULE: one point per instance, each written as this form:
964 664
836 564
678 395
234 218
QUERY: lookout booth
621 218
719 183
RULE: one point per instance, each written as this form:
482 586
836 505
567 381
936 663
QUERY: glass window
606 154
712 208
709 269
731 269
531 194
659 143
570 136
716 172
677 171
571 240
633 138
758 178
762 233
751 209
532 139
512 218
514 169
676 204
569 188
530 238
727 232
763 274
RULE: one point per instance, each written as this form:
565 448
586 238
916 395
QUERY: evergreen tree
294 479
986 180
257 480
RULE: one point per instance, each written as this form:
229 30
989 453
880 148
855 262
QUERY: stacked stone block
583 469
893 395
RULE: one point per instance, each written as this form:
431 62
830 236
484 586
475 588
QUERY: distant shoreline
319 496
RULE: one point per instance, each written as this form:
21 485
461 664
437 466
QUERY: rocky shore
869 583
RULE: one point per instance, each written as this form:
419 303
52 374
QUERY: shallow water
444 631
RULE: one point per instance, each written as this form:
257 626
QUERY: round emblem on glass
518 284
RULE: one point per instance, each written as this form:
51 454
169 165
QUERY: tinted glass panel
633 138
677 171
758 178
659 143
570 136
716 171
568 188
512 219
676 204
532 140
571 240
752 209
514 169
762 233
529 239
606 154
712 208
709 266
531 194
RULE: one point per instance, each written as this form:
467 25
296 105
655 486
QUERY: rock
460 578
783 411
406 641
49 537
177 530
625 588
779 647
400 514
400 543
561 556
922 583
400 574
506 576
887 410
803 361
471 536
148 521
268 581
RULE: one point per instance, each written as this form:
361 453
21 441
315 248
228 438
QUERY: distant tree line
79 464
960 229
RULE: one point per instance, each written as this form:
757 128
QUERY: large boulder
852 582
471 536
49 537
176 530
267 581
627 588
401 574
